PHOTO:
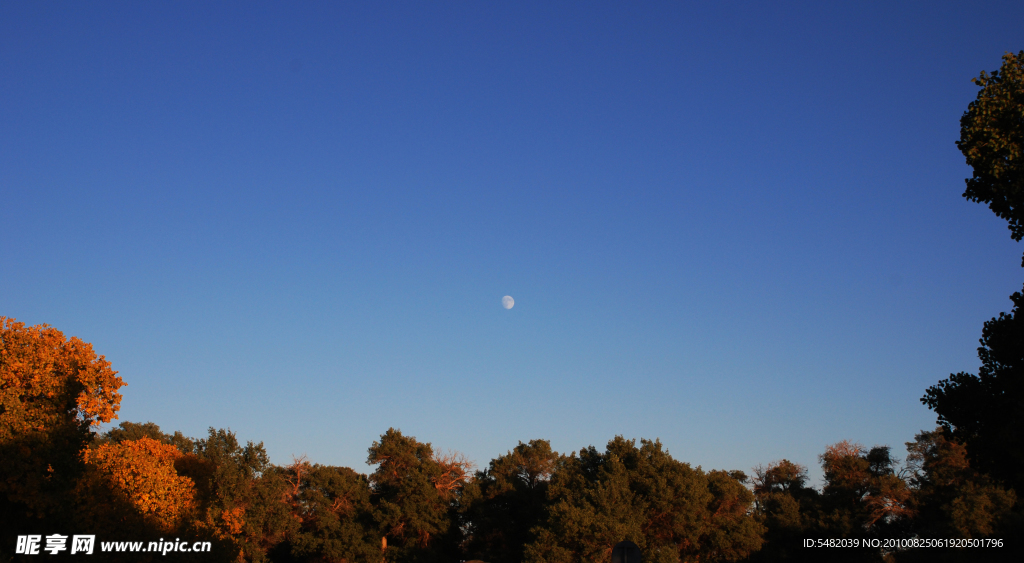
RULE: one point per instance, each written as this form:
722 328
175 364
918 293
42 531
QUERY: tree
670 510
953 499
53 390
863 497
992 140
333 507
507 500
730 533
239 496
134 430
862 488
788 508
416 498
985 412
131 487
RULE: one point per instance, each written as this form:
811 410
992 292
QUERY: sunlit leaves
138 474
992 140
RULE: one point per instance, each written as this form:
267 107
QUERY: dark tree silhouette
986 411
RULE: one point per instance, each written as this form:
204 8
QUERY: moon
507 302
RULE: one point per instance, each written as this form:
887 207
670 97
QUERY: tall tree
953 500
416 495
53 390
985 412
670 510
507 500
239 496
788 509
333 507
992 140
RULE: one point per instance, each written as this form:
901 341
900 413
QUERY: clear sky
733 226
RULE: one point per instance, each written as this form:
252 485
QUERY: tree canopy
53 391
986 411
992 140
670 510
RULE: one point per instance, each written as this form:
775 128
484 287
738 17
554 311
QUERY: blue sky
733 226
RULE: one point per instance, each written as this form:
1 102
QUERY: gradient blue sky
734 226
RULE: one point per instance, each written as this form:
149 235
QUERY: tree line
58 474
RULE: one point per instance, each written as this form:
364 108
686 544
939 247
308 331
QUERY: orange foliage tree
864 484
133 485
52 391
455 469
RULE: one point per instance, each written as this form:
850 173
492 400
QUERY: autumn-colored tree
952 500
863 496
670 510
53 390
862 486
506 501
131 488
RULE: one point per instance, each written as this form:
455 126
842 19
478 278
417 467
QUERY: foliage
134 430
416 498
787 508
52 391
862 491
954 500
985 412
239 495
863 497
531 504
507 500
132 487
335 512
992 140
672 511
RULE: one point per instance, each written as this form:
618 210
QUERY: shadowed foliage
670 510
985 412
507 500
53 390
992 141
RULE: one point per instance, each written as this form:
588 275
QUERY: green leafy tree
508 499
335 515
672 511
130 431
240 497
992 140
416 497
